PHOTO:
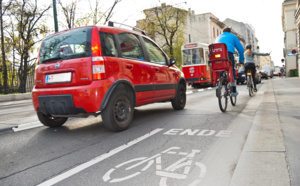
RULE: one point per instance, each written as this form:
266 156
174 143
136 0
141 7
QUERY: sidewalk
270 155
15 97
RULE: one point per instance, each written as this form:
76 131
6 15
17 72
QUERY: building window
214 32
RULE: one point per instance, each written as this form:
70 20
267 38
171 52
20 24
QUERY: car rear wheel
118 113
50 121
178 103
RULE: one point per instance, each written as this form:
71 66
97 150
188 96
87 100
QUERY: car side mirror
172 61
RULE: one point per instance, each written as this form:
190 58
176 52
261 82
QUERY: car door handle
129 66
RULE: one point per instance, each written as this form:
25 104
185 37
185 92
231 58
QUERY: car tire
118 112
178 103
50 121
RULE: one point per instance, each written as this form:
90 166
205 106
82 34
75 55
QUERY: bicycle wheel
250 85
222 95
232 98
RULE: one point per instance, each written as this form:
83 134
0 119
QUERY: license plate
59 78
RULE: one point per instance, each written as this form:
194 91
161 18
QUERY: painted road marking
173 171
197 132
96 160
198 90
189 92
27 126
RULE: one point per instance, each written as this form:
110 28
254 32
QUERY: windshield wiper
52 59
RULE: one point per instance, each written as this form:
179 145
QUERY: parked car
276 73
257 77
103 70
264 74
269 70
241 75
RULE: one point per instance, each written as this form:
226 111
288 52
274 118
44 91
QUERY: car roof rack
111 23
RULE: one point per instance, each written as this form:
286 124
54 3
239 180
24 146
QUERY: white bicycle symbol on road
185 164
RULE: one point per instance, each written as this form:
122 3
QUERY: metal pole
55 16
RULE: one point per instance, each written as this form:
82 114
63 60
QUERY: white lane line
189 92
96 160
27 126
200 90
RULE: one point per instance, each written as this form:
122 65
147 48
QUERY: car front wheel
179 101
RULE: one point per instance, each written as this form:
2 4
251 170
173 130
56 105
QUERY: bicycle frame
220 65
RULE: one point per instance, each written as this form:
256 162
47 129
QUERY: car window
108 44
193 56
66 45
131 46
155 54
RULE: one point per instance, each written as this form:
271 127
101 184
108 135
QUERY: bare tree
27 16
69 11
110 11
96 16
165 23
3 9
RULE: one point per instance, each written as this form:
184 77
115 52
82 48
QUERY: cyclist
249 62
232 42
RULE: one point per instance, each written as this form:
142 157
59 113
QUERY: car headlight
243 75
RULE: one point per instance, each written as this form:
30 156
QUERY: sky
263 15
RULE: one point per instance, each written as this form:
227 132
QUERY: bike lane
186 151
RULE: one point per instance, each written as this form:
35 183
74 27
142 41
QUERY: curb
15 97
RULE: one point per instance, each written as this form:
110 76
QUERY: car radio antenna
111 23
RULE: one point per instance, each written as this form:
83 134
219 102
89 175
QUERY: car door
164 77
136 69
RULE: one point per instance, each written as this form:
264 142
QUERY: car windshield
66 45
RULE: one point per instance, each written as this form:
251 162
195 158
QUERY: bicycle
224 90
222 74
250 84
144 163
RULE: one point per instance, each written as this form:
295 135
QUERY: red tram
195 65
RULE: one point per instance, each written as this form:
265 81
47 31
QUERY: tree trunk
24 72
5 85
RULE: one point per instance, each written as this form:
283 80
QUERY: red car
103 70
264 74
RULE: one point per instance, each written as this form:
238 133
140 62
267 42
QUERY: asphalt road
199 145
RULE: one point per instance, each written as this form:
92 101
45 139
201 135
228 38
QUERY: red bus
195 65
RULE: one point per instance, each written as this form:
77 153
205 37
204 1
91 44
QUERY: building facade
202 28
297 17
205 28
266 61
289 10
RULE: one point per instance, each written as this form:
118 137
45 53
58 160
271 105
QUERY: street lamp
55 16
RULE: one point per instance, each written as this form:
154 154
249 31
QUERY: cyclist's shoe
235 93
255 90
